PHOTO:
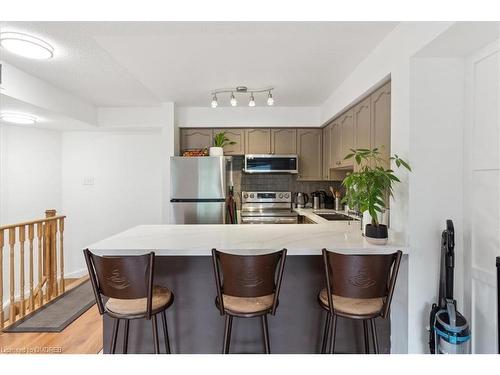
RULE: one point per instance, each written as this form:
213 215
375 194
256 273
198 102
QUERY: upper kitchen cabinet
362 124
346 123
381 121
284 141
195 138
327 138
234 135
335 145
309 150
257 141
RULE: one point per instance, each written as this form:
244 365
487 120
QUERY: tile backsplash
275 182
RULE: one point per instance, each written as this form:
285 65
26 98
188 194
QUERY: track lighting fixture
239 90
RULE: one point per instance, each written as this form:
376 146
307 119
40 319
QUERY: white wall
246 116
30 180
436 183
126 168
482 194
161 119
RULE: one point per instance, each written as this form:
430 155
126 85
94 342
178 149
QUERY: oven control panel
266 197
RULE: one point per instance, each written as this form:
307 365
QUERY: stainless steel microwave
265 163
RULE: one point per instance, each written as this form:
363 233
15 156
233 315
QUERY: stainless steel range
258 207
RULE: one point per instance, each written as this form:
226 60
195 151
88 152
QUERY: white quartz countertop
198 240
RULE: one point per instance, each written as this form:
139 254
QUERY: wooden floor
83 336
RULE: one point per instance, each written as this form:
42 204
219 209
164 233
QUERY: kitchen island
195 326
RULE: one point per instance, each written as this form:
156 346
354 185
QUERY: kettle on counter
301 199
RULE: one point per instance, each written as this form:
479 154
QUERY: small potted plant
369 187
220 140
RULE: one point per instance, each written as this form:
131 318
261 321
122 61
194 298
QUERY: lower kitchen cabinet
309 151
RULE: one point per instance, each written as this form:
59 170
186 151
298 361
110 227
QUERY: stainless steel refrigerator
198 189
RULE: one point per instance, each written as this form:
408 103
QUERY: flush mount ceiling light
18 118
242 90
26 45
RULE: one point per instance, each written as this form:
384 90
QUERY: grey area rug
58 313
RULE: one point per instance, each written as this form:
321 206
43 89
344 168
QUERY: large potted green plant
220 140
369 188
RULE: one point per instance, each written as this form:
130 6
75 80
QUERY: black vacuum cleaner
449 330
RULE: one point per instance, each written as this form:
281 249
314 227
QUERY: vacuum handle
452 313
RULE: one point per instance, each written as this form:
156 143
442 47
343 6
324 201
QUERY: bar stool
127 282
357 287
248 286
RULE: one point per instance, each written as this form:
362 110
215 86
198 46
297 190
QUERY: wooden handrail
47 237
25 223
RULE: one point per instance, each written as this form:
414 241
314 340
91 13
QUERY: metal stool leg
125 336
334 331
227 334
116 324
325 333
165 332
374 334
155 334
265 331
365 331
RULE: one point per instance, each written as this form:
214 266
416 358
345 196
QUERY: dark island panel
195 326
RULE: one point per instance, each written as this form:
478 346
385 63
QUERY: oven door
271 163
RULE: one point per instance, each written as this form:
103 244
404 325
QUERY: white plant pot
216 151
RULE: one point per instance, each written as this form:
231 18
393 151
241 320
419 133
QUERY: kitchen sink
335 217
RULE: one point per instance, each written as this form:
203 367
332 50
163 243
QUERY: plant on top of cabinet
368 188
220 140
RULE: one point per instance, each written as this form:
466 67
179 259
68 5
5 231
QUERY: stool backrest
361 276
248 275
122 277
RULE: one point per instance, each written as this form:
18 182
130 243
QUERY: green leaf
406 165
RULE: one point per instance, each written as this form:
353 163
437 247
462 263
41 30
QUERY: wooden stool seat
353 306
138 307
247 305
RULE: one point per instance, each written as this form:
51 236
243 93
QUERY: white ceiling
146 63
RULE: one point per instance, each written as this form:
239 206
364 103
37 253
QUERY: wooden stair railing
48 236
